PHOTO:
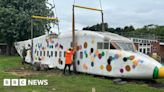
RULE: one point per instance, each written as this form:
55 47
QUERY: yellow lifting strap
89 8
46 18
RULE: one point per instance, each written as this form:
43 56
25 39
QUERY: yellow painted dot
102 67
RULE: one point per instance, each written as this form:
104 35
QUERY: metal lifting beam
89 8
45 18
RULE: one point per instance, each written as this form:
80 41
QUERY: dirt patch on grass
22 72
26 71
157 85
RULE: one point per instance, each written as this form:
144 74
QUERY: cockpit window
113 45
122 45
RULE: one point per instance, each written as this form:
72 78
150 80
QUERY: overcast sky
117 13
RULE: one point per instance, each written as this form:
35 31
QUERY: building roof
3 44
161 43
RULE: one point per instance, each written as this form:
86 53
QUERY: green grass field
61 83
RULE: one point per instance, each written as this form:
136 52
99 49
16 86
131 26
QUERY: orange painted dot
97 52
135 62
85 66
128 68
132 57
109 68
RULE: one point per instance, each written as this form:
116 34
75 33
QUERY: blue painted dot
94 55
142 61
92 64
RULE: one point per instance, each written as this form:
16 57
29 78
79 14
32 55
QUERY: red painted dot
99 55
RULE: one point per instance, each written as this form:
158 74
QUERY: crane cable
100 5
56 17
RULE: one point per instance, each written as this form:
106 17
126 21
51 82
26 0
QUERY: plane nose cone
158 72
161 72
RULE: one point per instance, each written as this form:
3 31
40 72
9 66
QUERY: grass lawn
57 82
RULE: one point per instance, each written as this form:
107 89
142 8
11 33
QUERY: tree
118 30
111 30
97 27
15 16
128 28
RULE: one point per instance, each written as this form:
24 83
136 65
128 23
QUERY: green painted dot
103 53
155 73
86 55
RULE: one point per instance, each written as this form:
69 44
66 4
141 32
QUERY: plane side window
99 45
37 53
47 53
40 53
60 54
51 53
44 53
81 55
56 54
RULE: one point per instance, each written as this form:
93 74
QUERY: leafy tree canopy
15 19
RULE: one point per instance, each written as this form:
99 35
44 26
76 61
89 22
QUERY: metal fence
143 36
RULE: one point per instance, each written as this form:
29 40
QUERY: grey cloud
118 13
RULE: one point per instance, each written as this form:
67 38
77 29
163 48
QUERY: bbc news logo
24 82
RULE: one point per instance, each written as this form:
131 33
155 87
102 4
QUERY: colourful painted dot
97 52
36 58
92 50
92 64
85 52
85 45
141 61
109 68
133 66
99 55
56 45
135 62
92 58
85 66
127 68
61 62
78 62
121 70
103 53
77 48
80 47
102 67
86 55
109 60
116 56
125 59
132 57
94 55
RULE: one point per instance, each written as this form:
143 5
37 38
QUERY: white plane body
98 53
